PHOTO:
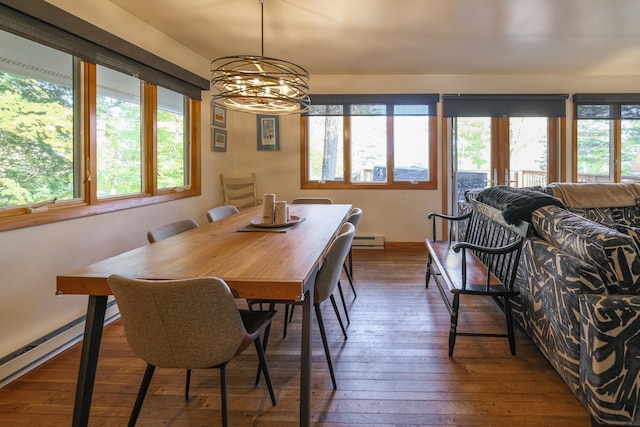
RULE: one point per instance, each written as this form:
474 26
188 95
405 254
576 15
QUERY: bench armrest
489 250
433 215
609 362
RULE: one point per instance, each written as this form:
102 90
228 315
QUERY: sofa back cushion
611 252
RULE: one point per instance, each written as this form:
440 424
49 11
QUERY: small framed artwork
218 140
219 116
268 133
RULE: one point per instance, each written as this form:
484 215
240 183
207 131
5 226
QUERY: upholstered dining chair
353 218
187 324
317 201
326 282
170 229
221 212
240 192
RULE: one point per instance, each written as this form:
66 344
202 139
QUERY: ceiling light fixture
258 84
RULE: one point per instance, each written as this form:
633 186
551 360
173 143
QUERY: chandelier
259 84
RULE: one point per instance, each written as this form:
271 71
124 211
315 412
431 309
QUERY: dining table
257 260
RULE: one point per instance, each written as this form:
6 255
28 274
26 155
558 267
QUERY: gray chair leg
265 370
335 308
142 392
344 304
223 395
188 383
350 278
325 344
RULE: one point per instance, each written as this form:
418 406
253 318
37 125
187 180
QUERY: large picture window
370 141
85 129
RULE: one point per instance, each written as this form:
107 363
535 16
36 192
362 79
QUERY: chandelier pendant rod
258 84
262 28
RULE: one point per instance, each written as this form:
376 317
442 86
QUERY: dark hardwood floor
392 371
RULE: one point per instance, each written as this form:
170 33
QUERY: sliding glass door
502 140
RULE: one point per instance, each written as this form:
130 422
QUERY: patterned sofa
579 282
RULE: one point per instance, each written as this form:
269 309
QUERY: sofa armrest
610 357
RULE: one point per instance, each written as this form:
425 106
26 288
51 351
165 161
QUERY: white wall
400 216
31 258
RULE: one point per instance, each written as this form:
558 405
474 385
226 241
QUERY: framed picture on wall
268 133
218 140
219 116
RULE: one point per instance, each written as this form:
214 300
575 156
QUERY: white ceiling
593 37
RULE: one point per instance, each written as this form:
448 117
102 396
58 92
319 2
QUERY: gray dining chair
326 282
167 230
187 324
353 218
319 201
221 212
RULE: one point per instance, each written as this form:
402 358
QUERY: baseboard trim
403 245
23 360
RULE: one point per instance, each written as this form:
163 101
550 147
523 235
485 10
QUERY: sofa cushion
600 215
632 232
611 252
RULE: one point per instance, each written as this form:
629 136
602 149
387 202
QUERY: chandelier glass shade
259 84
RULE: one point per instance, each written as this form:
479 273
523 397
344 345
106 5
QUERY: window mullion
149 139
347 148
617 150
90 133
390 146
553 134
195 170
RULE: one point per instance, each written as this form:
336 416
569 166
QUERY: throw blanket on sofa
594 195
516 203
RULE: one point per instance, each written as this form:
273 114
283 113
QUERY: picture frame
218 140
219 116
268 132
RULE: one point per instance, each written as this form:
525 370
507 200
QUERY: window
86 127
119 135
503 140
37 145
607 137
370 141
173 144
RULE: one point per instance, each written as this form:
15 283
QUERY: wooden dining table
256 263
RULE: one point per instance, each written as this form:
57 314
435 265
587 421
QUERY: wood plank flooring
392 371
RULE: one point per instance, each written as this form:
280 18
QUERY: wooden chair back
240 192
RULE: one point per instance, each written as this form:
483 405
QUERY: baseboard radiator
36 353
368 242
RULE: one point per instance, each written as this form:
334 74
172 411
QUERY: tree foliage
36 141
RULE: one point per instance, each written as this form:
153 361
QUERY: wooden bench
483 263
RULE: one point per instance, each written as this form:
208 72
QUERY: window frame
43 23
614 101
390 100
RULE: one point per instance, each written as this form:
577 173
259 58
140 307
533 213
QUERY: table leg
305 362
89 359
